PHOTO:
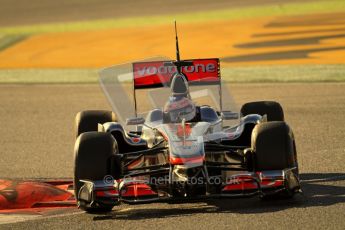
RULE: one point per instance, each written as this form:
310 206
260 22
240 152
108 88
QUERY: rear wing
159 73
153 74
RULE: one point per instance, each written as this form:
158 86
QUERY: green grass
285 73
226 14
48 76
258 74
10 39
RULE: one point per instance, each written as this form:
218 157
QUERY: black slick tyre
94 158
274 148
272 109
88 120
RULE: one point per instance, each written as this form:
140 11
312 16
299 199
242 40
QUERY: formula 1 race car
183 150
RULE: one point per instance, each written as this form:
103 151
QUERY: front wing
137 190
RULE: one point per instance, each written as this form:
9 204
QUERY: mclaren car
175 138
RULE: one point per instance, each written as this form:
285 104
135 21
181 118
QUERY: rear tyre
274 148
88 120
272 109
94 158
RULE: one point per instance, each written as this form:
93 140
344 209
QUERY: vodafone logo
149 74
154 70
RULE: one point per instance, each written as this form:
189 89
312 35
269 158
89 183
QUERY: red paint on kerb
30 194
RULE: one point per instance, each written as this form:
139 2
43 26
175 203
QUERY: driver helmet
179 108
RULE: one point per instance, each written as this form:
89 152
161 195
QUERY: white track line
16 218
328 179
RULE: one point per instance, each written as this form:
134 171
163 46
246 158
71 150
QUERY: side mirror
135 121
228 115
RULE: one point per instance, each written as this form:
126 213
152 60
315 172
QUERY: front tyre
94 158
274 148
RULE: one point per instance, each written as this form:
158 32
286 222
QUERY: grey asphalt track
36 130
24 12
